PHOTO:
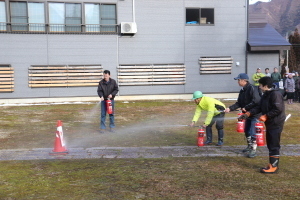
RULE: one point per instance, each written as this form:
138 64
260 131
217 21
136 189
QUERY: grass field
140 123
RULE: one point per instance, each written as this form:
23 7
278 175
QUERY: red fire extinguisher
201 133
240 125
260 139
109 109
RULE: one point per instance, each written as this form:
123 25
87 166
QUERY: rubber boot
272 167
248 148
220 137
252 152
208 135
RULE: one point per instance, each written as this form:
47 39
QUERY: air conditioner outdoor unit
128 28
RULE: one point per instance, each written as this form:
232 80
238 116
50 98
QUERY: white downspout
133 11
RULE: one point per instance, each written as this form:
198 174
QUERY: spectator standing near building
285 76
267 72
257 76
107 89
289 87
296 79
215 114
273 114
276 77
248 98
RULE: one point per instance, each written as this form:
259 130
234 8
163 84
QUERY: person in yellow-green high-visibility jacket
215 114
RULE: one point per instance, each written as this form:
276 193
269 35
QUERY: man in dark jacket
273 114
107 89
249 97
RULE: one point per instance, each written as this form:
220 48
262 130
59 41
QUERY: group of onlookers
290 84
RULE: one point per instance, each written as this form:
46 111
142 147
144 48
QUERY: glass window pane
73 16
208 15
36 16
92 17
2 16
108 11
108 17
19 16
192 16
57 17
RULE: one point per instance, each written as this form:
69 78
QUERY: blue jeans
103 115
250 128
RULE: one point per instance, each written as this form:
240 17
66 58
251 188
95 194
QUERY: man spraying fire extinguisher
107 90
215 114
273 114
248 98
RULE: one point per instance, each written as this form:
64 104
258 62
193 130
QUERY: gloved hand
244 116
263 118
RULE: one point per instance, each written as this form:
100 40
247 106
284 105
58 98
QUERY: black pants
273 140
219 120
296 95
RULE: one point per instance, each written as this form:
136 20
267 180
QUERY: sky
254 1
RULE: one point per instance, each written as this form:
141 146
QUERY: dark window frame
28 26
80 28
102 26
198 18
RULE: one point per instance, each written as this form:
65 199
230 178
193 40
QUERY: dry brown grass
139 123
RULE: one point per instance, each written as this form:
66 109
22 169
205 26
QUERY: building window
64 76
215 65
100 17
2 16
62 17
65 17
200 16
73 17
6 78
27 16
167 74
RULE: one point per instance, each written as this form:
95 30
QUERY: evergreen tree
294 53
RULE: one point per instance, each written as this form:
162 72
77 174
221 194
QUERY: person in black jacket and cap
107 89
273 114
248 98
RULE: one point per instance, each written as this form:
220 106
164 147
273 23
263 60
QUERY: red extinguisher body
109 109
260 139
240 125
200 139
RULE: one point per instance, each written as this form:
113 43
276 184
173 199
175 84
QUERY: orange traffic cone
59 144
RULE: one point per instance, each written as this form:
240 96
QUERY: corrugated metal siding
162 38
262 60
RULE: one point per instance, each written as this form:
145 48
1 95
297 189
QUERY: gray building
264 44
60 48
